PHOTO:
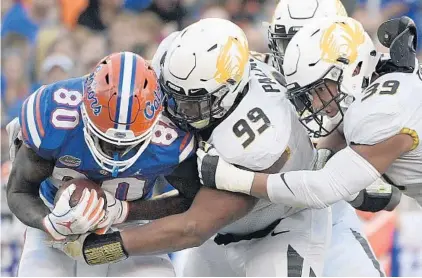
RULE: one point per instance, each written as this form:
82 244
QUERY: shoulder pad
370 121
49 114
257 132
173 140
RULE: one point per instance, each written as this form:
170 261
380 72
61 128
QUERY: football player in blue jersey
107 127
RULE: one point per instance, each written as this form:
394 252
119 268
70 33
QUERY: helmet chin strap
200 124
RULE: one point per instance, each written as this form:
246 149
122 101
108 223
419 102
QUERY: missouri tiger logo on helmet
231 61
121 105
342 40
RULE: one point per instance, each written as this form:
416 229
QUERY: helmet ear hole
107 78
145 83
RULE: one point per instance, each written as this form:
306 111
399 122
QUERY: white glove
214 172
117 212
65 220
72 246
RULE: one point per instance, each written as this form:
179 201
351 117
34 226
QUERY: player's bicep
28 171
214 209
383 154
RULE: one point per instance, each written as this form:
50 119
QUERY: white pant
298 252
40 260
350 253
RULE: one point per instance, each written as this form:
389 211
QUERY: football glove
65 220
117 212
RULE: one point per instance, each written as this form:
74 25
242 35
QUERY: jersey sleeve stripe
188 149
23 121
184 141
32 127
38 111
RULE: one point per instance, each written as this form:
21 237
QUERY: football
81 184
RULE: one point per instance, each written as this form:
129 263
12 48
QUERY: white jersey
391 105
261 134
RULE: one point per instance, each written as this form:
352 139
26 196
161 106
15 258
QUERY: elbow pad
345 174
379 196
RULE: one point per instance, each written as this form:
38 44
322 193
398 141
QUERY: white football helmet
204 70
291 15
336 49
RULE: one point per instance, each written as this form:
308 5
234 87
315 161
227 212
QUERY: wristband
104 249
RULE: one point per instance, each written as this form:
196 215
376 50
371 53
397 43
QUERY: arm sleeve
345 174
185 178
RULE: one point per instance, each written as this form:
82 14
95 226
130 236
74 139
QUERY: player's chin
330 112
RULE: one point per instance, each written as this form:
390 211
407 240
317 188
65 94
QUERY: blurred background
43 41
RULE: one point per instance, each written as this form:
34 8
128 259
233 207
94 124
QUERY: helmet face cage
187 109
278 41
302 98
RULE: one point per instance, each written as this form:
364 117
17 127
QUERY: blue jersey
52 126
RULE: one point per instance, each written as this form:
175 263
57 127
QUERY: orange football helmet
121 105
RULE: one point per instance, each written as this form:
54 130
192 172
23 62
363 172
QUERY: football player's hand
65 220
71 245
214 172
117 212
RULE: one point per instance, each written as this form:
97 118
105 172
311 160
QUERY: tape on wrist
104 249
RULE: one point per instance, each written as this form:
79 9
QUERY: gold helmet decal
341 40
341 11
231 61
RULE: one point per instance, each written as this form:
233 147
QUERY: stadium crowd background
43 41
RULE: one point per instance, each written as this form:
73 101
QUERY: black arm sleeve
28 171
185 178
374 202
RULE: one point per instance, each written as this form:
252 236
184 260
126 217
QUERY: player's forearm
29 209
344 175
210 211
158 237
155 209
24 201
23 197
162 236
